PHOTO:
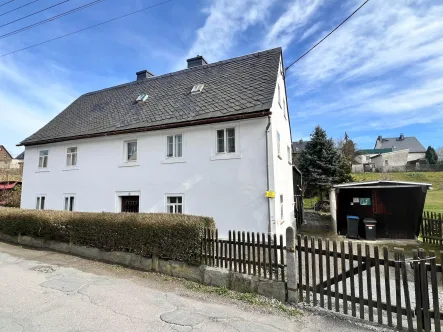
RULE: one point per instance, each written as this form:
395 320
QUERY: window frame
289 155
174 146
285 109
40 202
386 162
279 95
126 151
278 144
40 158
175 205
226 145
197 88
70 156
72 200
282 215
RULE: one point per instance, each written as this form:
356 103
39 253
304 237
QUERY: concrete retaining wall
203 274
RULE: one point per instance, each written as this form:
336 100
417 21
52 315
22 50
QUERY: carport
396 206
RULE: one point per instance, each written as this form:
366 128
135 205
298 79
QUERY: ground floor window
281 207
69 203
174 204
40 203
130 204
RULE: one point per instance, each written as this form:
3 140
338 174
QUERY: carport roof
381 184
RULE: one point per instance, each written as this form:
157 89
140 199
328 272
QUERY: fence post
291 265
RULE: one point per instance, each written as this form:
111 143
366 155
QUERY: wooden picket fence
364 281
257 254
432 228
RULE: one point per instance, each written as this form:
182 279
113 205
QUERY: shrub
169 236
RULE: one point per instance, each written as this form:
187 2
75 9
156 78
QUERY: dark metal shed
397 206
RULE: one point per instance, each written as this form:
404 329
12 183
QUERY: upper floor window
174 204
226 140
279 95
289 155
40 203
43 159
71 156
131 150
278 145
174 147
69 203
284 109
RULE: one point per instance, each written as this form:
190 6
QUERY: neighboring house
416 153
5 157
213 140
297 149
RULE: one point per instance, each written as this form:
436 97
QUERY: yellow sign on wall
270 194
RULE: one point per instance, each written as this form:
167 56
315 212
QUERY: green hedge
169 236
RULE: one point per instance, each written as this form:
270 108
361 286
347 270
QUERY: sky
380 74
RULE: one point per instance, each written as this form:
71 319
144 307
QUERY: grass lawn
434 198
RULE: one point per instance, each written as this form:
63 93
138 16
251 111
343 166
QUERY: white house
212 139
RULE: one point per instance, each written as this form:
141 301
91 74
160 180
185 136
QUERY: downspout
267 173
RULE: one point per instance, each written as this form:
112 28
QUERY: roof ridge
241 57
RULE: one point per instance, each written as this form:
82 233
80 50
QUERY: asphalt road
47 291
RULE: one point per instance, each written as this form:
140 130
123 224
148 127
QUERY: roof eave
190 123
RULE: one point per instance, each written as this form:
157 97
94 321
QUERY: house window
278 145
284 109
71 156
43 159
40 203
386 162
174 146
279 96
174 204
281 207
226 140
69 203
197 88
131 150
289 155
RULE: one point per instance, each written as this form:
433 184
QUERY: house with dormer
212 139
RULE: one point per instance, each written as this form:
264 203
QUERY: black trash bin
370 228
353 222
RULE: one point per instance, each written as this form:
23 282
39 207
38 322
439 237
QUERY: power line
51 19
6 3
22 18
330 33
18 8
87 28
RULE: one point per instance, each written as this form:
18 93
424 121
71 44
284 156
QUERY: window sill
173 160
226 156
129 164
70 169
43 170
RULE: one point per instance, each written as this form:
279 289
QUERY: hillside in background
434 198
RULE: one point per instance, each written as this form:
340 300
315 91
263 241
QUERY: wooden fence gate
366 281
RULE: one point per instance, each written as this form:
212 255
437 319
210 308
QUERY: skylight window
197 88
143 97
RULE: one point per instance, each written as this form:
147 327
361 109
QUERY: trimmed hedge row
168 236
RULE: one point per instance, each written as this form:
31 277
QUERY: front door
130 203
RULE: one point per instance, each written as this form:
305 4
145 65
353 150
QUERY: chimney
141 75
197 61
402 137
380 138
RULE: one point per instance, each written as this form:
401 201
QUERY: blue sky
380 74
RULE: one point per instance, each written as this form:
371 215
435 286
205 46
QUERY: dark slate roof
21 156
298 147
240 85
396 144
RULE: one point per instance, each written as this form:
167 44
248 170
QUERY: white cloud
297 14
380 70
226 20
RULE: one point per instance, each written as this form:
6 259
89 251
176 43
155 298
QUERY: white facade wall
413 156
281 165
230 190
